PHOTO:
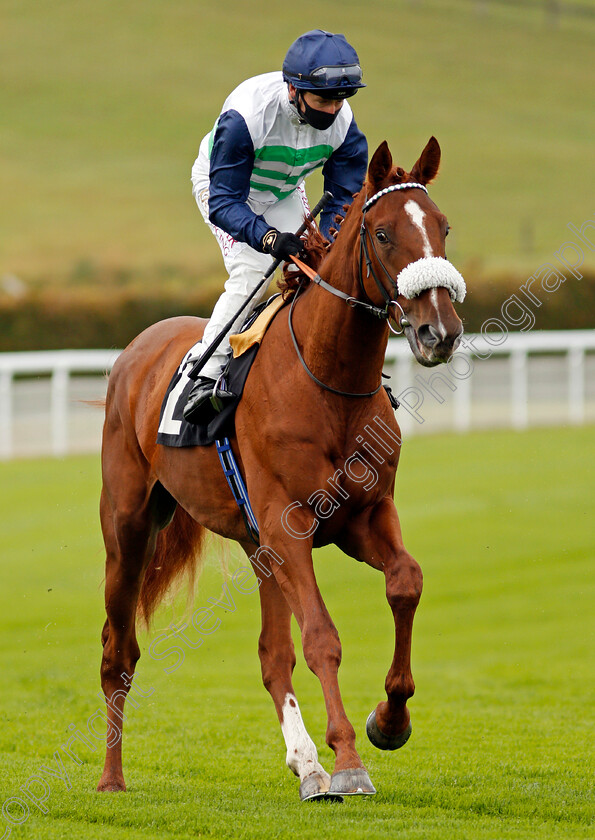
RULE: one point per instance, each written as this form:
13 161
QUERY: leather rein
370 307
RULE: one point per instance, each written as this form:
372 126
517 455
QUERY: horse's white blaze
302 756
440 325
417 216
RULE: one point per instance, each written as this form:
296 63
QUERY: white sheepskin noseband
431 273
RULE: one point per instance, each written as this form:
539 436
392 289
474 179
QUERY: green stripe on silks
212 136
263 175
273 175
294 157
278 193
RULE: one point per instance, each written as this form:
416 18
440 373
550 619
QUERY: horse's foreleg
381 545
277 659
293 569
129 536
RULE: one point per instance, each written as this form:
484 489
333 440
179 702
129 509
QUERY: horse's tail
177 554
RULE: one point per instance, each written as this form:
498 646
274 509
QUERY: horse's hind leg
130 527
277 658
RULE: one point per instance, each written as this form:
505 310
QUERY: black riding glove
281 245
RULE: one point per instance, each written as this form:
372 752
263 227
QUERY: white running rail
537 368
473 391
58 365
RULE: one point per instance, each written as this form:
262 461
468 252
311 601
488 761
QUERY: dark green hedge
549 303
100 317
45 321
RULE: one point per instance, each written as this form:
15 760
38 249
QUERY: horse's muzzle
433 346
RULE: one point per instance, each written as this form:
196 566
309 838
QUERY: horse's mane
316 248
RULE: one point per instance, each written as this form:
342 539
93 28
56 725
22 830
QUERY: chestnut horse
313 415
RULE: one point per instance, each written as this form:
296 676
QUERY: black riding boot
205 394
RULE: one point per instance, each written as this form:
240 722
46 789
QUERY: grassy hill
104 104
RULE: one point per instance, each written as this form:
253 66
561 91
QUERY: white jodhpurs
246 268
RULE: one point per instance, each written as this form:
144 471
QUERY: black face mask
317 119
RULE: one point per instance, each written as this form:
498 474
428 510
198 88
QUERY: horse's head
402 254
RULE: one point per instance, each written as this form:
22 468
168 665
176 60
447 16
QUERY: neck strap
307 369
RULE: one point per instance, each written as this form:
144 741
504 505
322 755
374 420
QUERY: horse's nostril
428 335
436 336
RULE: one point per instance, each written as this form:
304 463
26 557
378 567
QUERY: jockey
273 131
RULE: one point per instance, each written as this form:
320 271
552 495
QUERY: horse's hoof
111 787
382 741
352 783
316 787
111 784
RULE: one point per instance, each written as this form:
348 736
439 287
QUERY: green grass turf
502 744
104 104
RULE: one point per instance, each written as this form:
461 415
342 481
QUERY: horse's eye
447 231
381 236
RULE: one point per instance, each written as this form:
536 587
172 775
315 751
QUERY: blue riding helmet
323 63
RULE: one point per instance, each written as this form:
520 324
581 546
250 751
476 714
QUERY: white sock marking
417 216
302 756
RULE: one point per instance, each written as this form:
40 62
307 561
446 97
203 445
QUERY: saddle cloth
173 429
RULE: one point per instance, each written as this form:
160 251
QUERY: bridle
369 307
364 254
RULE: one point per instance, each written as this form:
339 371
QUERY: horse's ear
380 165
426 168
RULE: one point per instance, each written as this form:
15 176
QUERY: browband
393 188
